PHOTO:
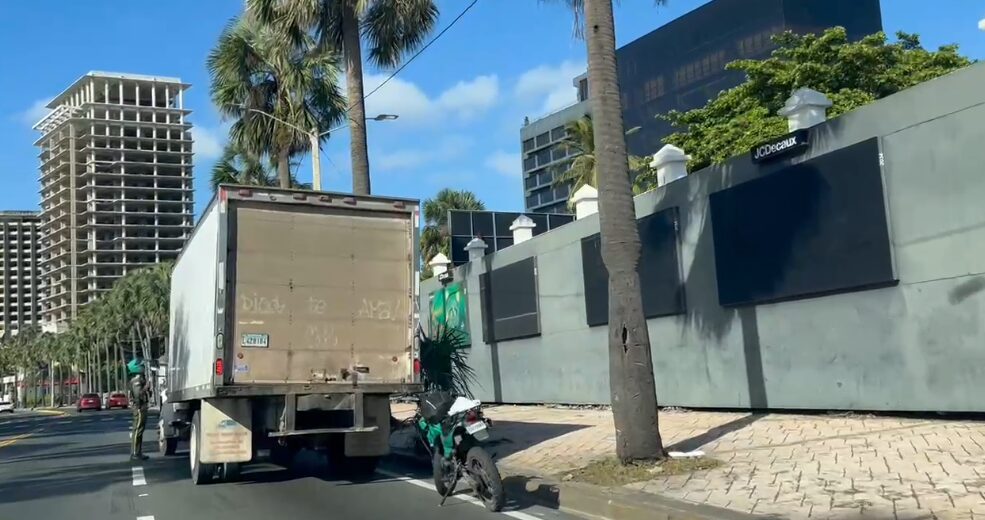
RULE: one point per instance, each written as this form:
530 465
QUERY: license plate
475 427
255 340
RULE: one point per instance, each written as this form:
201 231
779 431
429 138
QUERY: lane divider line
145 518
468 498
138 476
11 440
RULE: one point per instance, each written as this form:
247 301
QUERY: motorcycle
452 429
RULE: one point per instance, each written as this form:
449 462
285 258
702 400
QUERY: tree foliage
391 29
434 237
850 73
579 141
134 313
255 69
240 166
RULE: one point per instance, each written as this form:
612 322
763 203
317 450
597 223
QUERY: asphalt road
76 466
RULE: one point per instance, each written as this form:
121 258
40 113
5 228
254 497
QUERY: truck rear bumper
319 431
316 388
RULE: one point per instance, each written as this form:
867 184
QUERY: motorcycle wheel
485 477
443 472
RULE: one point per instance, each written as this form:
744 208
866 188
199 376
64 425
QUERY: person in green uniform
139 400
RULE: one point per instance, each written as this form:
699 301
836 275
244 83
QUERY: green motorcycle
452 429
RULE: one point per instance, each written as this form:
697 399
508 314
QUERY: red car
89 402
118 401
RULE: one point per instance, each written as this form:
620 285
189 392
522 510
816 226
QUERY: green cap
135 366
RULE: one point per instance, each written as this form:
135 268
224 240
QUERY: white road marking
472 500
142 495
145 518
138 476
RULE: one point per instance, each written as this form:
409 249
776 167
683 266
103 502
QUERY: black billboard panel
494 228
508 297
813 228
659 268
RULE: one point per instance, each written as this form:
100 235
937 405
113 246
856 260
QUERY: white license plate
475 427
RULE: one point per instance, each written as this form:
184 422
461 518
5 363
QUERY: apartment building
116 185
19 270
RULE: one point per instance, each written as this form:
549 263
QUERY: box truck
292 322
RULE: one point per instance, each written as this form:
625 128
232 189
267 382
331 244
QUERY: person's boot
139 456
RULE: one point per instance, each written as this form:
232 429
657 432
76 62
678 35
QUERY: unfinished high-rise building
116 185
19 271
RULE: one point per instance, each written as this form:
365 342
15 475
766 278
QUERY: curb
596 502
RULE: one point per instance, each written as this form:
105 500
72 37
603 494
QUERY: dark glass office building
681 65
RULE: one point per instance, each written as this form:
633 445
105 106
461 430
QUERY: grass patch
610 472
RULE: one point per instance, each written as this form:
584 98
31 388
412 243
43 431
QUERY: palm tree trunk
120 374
631 380
284 168
51 381
109 368
357 106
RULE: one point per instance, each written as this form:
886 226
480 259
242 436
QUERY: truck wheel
231 471
348 467
166 445
283 455
202 473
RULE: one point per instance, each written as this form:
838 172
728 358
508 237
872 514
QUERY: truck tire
231 471
202 473
348 467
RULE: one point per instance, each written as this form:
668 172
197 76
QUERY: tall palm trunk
121 373
99 372
109 368
284 167
631 381
351 46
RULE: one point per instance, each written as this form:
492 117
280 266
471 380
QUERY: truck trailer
292 323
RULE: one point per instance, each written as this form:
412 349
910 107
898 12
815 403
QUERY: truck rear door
322 294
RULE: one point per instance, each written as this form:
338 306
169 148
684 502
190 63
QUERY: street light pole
315 136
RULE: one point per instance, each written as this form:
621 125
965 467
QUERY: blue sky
461 103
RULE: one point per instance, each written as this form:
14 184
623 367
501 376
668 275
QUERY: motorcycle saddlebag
435 405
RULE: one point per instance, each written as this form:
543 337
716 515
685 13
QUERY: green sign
450 308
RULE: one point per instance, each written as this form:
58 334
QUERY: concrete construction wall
917 345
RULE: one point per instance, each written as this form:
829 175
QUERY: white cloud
552 84
208 142
505 163
469 98
447 149
36 112
981 24
464 100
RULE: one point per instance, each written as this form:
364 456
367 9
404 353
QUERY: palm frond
444 362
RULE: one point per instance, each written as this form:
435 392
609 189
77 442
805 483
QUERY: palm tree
579 141
631 379
239 166
259 78
434 238
391 28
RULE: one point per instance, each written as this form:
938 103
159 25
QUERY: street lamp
314 135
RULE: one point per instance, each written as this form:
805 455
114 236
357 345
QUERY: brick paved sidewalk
790 466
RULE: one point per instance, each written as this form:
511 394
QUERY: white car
6 407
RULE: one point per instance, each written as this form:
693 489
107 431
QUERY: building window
557 133
529 162
531 200
583 89
653 88
528 145
543 139
543 156
530 182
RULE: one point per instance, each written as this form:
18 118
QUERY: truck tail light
417 367
218 367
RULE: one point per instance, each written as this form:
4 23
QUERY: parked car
89 402
117 401
6 406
